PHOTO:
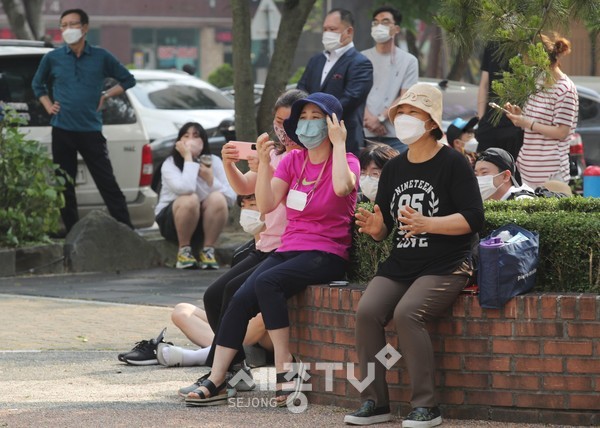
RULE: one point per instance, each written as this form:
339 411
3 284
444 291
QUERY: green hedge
569 231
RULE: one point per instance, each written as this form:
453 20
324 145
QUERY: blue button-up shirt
77 84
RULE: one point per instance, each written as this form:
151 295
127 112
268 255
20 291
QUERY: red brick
345 337
567 306
452 396
537 329
567 383
308 350
476 311
583 365
511 308
303 334
542 365
352 356
321 334
467 380
530 309
317 296
334 296
549 306
490 398
326 302
399 393
492 313
392 339
587 307
356 295
559 347
448 362
466 345
583 329
587 402
346 298
447 327
510 346
515 382
458 309
541 401
392 377
487 364
489 328
332 353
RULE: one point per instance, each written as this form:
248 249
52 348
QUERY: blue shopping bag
508 260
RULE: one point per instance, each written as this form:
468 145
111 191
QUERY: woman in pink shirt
319 187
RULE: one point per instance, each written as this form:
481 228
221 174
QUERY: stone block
7 261
40 259
99 243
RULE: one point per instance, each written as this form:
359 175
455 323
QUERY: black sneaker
144 352
423 417
368 414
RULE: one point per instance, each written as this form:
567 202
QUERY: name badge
296 200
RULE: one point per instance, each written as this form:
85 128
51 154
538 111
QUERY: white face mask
369 186
471 146
380 33
250 221
72 35
486 185
408 128
331 41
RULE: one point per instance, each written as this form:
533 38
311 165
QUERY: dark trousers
278 278
92 147
218 295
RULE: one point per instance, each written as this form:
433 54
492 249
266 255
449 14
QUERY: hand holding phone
497 107
245 149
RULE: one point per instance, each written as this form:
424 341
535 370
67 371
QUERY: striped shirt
542 158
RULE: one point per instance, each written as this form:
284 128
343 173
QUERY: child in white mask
372 159
460 136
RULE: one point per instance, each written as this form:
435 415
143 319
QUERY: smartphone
245 149
497 107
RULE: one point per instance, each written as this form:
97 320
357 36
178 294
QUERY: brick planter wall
535 360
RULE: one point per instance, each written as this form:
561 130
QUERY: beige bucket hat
424 96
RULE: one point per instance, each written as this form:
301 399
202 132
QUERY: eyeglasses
70 25
386 22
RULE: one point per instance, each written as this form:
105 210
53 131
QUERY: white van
127 141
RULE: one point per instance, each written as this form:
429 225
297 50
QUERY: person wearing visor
428 197
318 185
495 171
461 137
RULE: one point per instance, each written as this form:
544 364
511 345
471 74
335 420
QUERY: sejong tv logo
297 377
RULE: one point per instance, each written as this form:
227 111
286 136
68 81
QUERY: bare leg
257 333
191 320
222 360
281 343
214 217
186 213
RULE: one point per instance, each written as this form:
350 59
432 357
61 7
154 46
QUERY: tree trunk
435 53
33 11
411 43
293 18
15 12
243 81
460 64
594 50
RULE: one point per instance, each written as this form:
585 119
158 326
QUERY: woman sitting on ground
194 199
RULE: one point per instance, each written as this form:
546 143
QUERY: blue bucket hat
328 103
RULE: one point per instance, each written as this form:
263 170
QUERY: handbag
508 260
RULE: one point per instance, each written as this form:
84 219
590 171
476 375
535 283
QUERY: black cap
502 159
459 126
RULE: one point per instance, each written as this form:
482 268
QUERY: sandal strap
283 392
212 388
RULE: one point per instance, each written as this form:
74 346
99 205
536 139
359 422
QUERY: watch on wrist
381 118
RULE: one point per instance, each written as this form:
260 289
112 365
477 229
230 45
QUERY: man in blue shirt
73 75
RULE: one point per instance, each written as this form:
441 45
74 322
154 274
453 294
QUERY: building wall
535 360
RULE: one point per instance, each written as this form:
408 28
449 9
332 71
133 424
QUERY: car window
117 110
589 111
173 95
16 74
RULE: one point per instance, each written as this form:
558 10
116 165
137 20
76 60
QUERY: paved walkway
59 368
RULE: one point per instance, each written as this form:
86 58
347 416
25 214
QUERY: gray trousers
410 306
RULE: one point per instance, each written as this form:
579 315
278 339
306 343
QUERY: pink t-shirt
275 221
325 223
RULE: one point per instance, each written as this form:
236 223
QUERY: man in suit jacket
343 72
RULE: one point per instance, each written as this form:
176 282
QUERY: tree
293 17
25 18
516 26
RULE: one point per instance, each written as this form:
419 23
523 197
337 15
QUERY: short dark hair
377 152
395 13
345 15
83 17
241 198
